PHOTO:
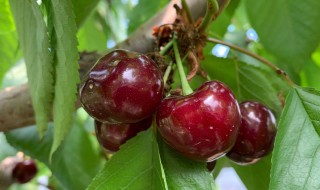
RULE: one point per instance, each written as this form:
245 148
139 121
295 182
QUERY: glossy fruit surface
203 125
112 136
256 134
24 171
123 87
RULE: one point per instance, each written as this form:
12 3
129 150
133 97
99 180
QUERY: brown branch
257 57
15 102
222 5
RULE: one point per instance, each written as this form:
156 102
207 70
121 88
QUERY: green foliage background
47 45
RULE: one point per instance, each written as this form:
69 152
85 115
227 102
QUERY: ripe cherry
256 134
202 125
24 171
123 87
112 136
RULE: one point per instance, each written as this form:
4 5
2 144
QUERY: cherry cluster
122 92
125 89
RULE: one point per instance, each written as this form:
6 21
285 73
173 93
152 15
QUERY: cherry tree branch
257 57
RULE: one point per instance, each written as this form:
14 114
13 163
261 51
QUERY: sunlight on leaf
6 20
288 29
34 42
296 156
67 75
137 165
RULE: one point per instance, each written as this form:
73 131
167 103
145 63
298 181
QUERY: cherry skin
24 171
256 134
203 125
123 87
112 136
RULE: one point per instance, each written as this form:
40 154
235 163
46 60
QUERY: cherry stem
212 8
166 47
167 73
188 12
186 89
261 59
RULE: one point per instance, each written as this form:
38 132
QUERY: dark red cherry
112 136
123 87
24 171
203 125
256 134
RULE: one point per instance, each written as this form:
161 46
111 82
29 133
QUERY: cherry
202 125
111 136
24 171
256 134
123 87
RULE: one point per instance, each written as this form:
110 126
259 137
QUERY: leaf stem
188 12
212 8
167 73
166 47
186 89
261 59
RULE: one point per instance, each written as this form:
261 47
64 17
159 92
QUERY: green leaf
248 81
183 173
113 19
256 176
310 75
288 29
220 25
67 75
74 164
9 52
137 165
148 8
82 9
91 37
296 156
6 20
155 167
5 148
35 46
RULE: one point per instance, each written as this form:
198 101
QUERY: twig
261 59
166 48
194 65
222 5
212 8
187 10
